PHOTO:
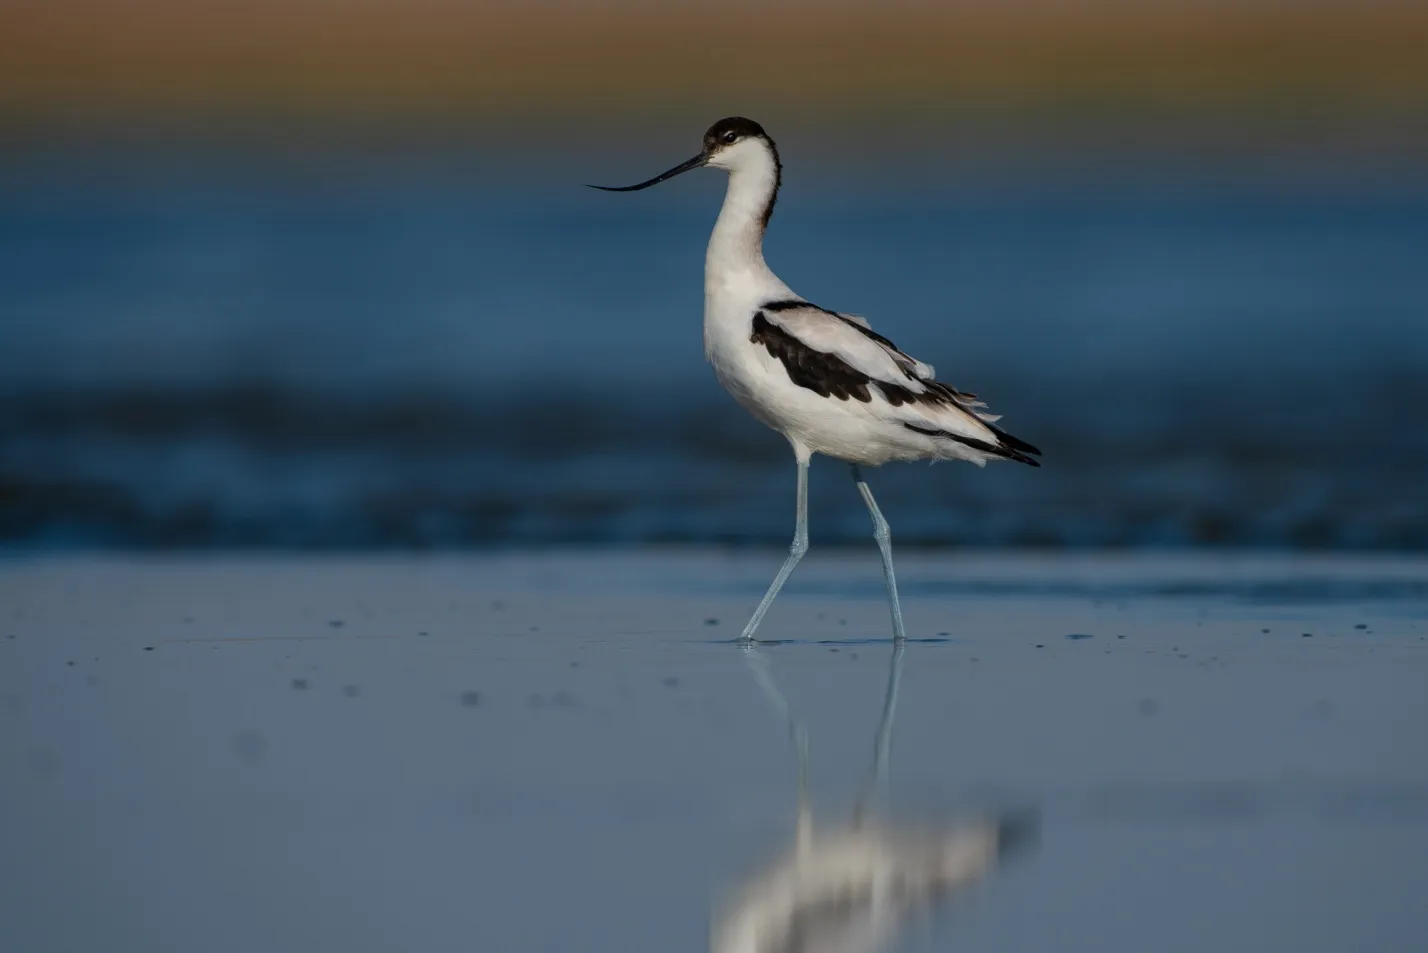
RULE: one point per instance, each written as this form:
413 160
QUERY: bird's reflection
850 887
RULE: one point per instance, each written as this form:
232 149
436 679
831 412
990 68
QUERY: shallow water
212 349
564 751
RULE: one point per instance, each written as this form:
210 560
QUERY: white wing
838 355
851 339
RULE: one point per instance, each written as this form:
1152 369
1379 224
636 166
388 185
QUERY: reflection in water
849 888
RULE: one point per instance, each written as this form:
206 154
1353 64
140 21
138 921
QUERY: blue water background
441 347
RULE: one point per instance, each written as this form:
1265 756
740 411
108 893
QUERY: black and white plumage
839 356
824 379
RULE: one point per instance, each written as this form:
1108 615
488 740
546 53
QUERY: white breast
737 281
740 365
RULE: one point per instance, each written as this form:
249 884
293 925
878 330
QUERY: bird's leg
878 776
795 553
883 535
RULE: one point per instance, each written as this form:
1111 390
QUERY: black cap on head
731 130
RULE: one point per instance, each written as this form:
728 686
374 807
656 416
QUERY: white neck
736 248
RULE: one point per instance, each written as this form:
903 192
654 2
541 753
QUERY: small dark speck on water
852 656
1360 626
148 648
1120 636
1040 645
188 620
835 650
336 623
711 621
422 634
944 635
351 691
300 684
574 664
669 681
470 699
842 621
1307 635
535 628
1265 631
10 636
1075 636
70 663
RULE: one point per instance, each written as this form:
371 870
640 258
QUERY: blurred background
323 273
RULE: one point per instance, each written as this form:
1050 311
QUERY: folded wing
839 356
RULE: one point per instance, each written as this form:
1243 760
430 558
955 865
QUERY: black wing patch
792 305
936 390
830 376
825 374
1015 443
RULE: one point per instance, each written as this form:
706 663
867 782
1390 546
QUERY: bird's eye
730 136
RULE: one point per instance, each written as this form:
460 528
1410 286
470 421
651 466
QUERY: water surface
564 751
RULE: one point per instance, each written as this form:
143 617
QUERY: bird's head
731 144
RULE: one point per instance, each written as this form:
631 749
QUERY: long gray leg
795 553
883 535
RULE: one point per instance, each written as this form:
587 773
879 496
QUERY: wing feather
828 333
839 355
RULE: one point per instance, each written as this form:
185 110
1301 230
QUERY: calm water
217 349
544 752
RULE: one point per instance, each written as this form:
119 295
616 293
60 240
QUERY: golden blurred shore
68 63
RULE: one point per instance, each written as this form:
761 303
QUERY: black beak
694 163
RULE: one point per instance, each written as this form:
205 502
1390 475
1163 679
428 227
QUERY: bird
824 379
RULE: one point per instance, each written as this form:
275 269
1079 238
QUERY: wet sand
565 752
